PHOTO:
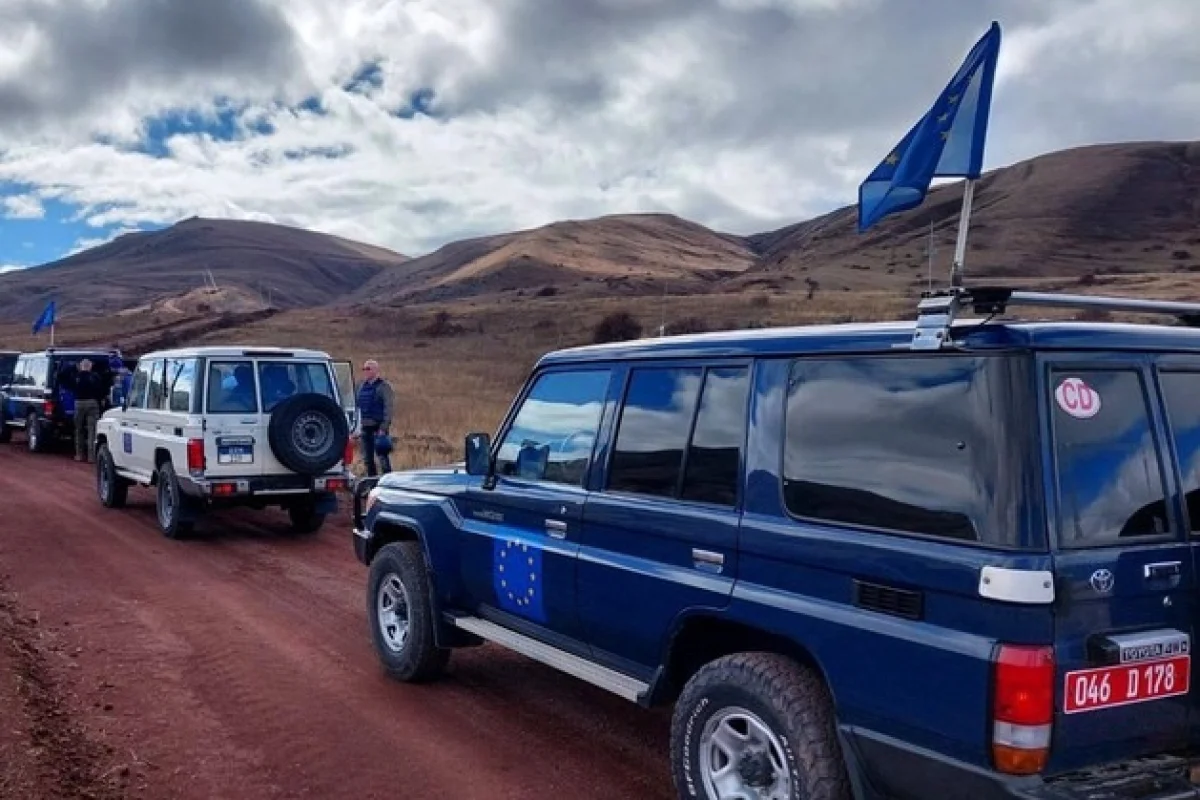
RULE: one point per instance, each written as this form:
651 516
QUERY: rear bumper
888 769
272 488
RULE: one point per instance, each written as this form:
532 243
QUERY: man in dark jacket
375 403
90 390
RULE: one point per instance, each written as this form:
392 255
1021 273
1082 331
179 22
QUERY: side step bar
619 684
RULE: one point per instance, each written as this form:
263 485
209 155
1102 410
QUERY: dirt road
238 665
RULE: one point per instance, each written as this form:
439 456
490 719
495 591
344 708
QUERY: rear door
343 372
1179 381
234 438
1125 573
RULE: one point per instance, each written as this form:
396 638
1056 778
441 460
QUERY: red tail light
195 456
1022 708
348 453
48 408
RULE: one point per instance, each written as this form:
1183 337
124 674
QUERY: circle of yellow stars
527 597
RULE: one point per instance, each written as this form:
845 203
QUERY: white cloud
740 114
11 268
23 206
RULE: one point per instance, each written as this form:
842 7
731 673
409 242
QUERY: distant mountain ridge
1111 208
282 266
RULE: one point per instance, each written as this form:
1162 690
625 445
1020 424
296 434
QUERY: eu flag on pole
517 578
46 319
947 142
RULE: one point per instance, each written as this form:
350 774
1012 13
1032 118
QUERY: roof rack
938 310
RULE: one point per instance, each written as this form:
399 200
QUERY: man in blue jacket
376 400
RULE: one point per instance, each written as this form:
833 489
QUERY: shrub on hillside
442 324
686 325
617 327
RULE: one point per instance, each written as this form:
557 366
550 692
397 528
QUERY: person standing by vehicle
89 390
376 401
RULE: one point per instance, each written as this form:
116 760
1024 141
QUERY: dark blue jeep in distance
949 559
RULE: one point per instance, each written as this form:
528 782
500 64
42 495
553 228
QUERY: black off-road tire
308 433
305 519
790 699
418 659
170 504
111 487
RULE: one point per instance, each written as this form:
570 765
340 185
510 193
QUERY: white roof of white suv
239 352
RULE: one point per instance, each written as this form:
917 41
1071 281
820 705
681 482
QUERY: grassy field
455 368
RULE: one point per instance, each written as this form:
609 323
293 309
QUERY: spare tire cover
308 433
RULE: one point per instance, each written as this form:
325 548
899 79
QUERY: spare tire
308 433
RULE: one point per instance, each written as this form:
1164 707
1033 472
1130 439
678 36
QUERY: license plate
1107 687
235 454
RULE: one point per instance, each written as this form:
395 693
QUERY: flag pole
964 223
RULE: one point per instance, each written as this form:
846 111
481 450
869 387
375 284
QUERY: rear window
231 387
279 380
1110 482
929 446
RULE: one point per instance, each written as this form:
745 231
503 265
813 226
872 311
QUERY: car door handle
1163 570
556 528
707 559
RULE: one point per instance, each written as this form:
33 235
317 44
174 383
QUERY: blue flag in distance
947 142
46 319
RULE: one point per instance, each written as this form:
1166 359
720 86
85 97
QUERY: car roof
68 351
890 337
238 351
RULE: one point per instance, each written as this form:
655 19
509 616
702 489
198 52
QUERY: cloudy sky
410 123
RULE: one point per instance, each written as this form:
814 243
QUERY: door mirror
479 454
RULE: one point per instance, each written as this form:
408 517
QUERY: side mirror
479 454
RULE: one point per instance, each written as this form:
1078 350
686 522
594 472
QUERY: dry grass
449 385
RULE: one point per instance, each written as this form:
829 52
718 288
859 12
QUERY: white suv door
235 438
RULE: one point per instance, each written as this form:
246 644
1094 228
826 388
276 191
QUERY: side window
181 381
157 392
554 431
715 454
231 387
1180 390
1111 485
141 380
911 445
652 432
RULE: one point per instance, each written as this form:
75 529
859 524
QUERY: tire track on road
243 663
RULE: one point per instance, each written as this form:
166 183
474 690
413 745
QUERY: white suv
222 426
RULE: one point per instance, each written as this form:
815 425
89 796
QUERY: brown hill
1097 209
620 253
284 267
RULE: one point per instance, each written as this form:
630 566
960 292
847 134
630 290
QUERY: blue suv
949 559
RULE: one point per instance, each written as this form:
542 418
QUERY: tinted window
653 430
555 429
279 380
7 365
181 382
1181 390
714 457
910 444
231 387
1110 482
